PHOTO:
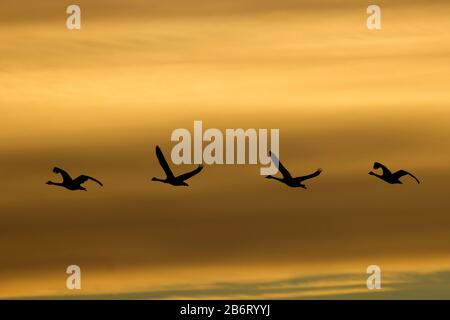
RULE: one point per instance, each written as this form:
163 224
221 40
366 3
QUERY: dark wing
378 165
190 174
401 173
66 177
281 168
312 175
82 179
163 163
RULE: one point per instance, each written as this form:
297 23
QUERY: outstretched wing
281 168
401 173
312 175
66 177
190 174
378 165
82 179
163 163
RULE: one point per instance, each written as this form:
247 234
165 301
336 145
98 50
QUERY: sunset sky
98 100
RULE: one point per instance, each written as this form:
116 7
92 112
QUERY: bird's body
287 179
69 183
388 176
170 177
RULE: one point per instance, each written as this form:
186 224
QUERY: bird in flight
388 176
170 178
69 183
287 178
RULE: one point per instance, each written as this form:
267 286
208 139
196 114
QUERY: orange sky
98 100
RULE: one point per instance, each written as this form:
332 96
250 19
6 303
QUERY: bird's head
184 184
303 186
153 179
83 188
371 173
49 182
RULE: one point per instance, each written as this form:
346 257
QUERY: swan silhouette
287 177
170 178
388 176
69 183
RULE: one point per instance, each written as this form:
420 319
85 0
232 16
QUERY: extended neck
276 178
55 183
376 175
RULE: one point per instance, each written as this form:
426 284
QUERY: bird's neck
376 175
279 179
55 183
